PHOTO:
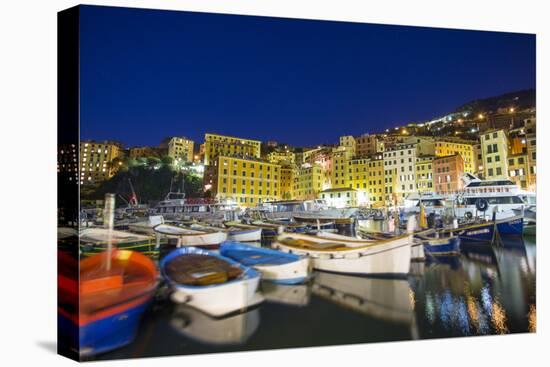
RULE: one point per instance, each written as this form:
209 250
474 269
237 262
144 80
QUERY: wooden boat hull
215 300
391 257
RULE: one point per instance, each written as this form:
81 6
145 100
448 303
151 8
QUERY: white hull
245 235
220 300
391 256
296 271
142 228
191 237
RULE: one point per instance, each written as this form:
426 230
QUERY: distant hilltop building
99 161
179 148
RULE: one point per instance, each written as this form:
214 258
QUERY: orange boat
101 311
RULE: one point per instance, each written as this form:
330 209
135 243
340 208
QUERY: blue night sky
148 74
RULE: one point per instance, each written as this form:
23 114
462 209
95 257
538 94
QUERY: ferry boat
477 198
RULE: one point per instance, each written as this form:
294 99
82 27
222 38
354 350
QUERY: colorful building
424 174
245 181
466 150
220 145
518 170
494 151
341 171
368 144
400 169
99 161
282 157
447 174
532 160
288 173
308 181
348 141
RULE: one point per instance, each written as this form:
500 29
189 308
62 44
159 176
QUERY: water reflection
384 299
292 295
486 290
235 329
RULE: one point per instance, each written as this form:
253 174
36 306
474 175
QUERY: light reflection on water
483 291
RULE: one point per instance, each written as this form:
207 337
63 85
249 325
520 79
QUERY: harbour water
486 290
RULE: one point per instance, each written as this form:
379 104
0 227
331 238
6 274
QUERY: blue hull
450 247
103 335
486 232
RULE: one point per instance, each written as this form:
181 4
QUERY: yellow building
181 149
221 145
288 173
308 182
375 182
494 151
341 171
246 181
282 157
97 161
466 151
424 174
532 160
518 170
367 178
348 141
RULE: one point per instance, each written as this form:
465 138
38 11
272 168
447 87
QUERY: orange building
447 173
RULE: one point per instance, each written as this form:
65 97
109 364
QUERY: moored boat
269 230
209 282
275 266
234 233
487 230
190 237
101 310
384 257
434 245
96 240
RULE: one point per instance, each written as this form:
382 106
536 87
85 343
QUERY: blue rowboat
440 246
215 299
275 266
